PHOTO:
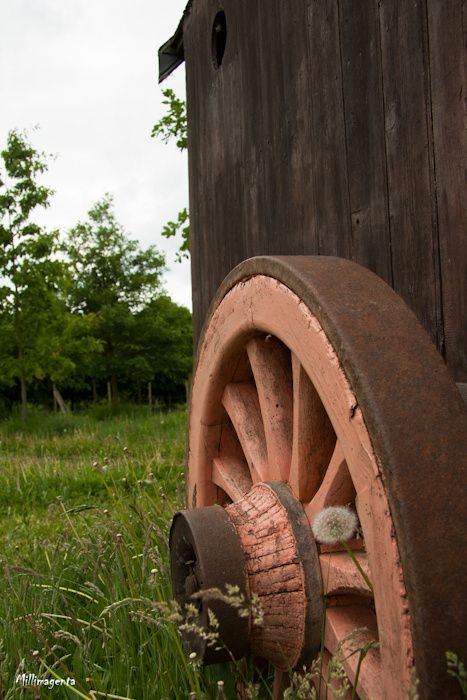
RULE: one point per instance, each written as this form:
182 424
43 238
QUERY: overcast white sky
85 72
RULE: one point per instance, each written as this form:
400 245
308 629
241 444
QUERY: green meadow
86 503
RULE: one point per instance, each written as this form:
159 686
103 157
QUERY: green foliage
143 334
172 228
165 343
84 311
456 668
109 268
31 273
173 125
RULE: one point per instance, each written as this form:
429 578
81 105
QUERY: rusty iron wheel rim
225 362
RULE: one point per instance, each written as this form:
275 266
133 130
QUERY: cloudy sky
84 72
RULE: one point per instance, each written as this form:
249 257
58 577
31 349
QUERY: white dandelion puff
334 524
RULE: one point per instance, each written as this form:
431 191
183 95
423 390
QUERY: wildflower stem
323 634
357 564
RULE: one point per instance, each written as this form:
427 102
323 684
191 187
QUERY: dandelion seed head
334 524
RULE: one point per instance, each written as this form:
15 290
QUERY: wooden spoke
270 362
341 623
313 436
281 683
232 475
229 444
336 488
340 574
240 400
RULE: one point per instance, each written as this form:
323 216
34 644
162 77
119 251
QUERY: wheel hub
259 549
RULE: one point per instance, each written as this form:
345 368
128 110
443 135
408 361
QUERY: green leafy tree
173 125
31 274
165 345
72 348
112 278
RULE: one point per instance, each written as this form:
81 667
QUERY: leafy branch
173 125
173 227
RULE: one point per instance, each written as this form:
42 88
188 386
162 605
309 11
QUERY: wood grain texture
313 437
446 24
335 489
240 400
342 622
270 361
275 575
327 184
333 128
365 139
414 232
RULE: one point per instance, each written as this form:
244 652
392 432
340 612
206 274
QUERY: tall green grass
85 508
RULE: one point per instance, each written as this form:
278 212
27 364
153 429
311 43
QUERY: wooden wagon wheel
316 386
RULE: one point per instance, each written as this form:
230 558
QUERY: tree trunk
109 393
150 394
24 395
114 388
188 390
59 400
19 345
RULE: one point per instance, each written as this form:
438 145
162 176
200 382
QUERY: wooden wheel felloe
313 373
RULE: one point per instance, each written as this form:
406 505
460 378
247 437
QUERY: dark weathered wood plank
251 159
302 235
327 185
364 127
197 157
414 236
449 94
272 184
